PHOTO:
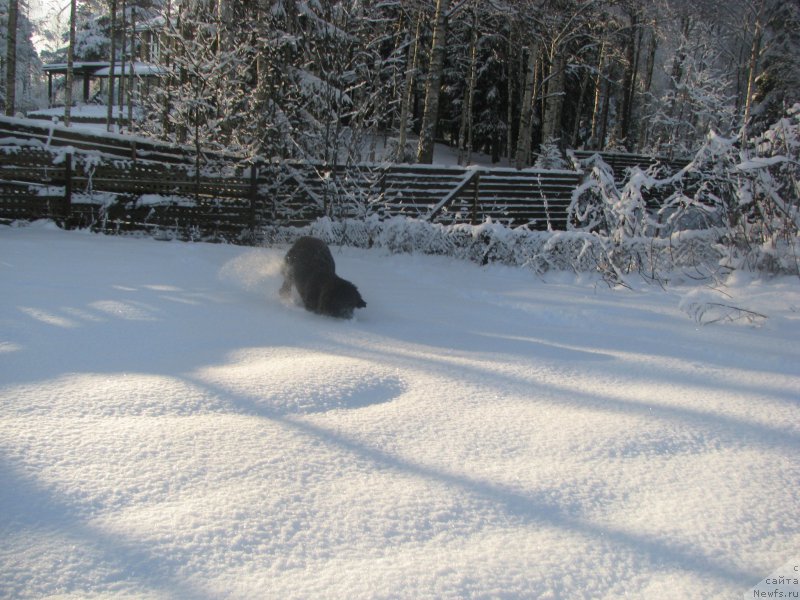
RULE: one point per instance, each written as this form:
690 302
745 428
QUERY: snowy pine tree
549 156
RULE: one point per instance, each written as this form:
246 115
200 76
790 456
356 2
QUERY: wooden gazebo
83 70
89 71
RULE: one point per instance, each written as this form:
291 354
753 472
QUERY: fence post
67 185
253 197
476 198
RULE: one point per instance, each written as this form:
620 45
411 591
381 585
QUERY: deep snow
170 429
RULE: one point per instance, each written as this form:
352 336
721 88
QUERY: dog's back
309 257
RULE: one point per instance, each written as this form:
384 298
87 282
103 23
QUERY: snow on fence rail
33 133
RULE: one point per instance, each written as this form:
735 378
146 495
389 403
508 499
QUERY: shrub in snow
540 251
746 200
772 174
392 151
549 156
593 200
401 235
750 195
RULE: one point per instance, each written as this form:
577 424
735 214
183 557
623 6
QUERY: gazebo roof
139 68
103 69
78 67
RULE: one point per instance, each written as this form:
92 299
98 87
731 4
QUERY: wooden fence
118 183
34 133
620 162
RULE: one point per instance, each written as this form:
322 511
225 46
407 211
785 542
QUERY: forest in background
514 79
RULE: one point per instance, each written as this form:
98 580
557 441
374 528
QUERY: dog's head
340 299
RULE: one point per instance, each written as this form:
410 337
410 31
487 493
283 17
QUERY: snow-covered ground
170 429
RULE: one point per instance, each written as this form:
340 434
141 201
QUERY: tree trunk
510 93
551 122
594 142
123 59
70 64
603 125
11 57
434 85
408 93
131 74
576 126
522 157
644 133
752 69
676 106
629 82
465 133
169 78
111 61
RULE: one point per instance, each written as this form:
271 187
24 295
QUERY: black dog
310 268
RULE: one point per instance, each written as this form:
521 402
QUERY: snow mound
279 381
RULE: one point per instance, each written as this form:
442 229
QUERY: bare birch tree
433 85
412 65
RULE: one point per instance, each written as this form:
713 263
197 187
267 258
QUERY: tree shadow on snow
35 518
526 508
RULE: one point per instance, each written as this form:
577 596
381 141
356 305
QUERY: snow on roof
98 111
76 66
103 69
139 68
